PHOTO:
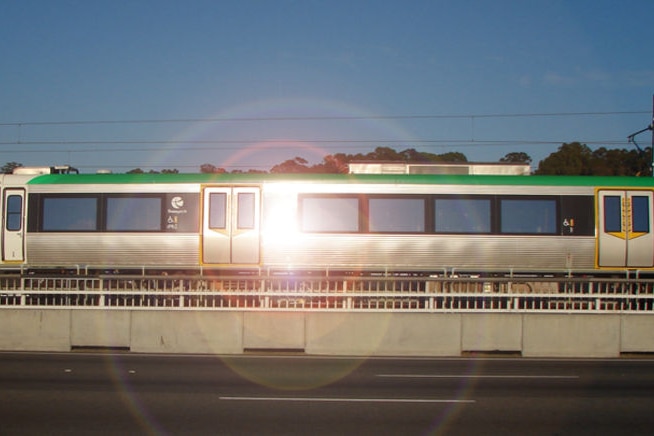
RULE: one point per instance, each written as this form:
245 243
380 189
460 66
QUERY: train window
217 210
396 215
70 214
462 215
246 210
528 216
612 214
131 214
640 213
329 214
14 212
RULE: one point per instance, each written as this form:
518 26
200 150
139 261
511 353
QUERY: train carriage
429 224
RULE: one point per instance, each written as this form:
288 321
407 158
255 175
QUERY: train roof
424 179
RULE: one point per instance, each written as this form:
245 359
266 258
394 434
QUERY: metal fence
324 293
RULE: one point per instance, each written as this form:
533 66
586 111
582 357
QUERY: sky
248 84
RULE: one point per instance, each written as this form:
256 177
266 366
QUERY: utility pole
631 139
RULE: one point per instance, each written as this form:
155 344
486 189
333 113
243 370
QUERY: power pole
631 139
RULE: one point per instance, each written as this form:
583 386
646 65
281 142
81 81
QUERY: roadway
124 393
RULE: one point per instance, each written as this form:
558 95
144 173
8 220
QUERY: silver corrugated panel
434 252
60 249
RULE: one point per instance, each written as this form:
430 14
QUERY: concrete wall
389 334
554 335
35 330
328 333
187 332
637 334
274 330
491 332
108 328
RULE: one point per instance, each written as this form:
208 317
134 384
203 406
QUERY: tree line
572 158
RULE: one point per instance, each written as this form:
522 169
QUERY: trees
338 163
9 167
570 159
578 159
516 157
164 171
296 165
333 164
617 162
211 169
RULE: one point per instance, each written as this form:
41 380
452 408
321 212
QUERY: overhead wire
320 118
27 146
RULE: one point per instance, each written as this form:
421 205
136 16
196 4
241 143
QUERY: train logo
177 202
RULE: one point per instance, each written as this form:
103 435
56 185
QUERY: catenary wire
280 144
320 118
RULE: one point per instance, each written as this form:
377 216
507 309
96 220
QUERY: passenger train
422 224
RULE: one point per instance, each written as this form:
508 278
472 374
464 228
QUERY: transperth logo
177 202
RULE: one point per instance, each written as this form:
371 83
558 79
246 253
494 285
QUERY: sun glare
280 223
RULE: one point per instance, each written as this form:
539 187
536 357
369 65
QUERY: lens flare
262 134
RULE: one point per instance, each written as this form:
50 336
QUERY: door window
640 214
217 210
612 214
246 210
14 212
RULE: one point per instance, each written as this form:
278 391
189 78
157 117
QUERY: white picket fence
326 293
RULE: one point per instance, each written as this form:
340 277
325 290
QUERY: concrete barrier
35 330
187 332
386 334
273 330
578 335
637 334
491 332
100 328
328 333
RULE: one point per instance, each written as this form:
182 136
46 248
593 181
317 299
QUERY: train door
230 225
625 237
13 232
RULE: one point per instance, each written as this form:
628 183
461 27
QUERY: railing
311 293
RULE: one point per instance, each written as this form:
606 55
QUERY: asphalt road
102 393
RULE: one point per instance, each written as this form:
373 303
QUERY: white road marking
481 376
347 400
